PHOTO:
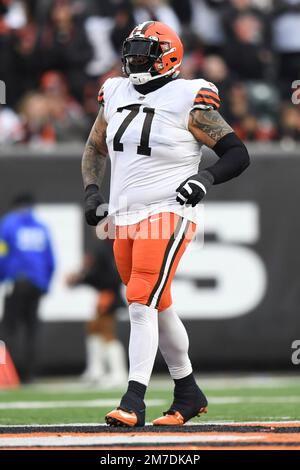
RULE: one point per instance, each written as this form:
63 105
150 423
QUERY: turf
264 402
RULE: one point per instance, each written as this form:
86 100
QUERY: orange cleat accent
174 419
122 418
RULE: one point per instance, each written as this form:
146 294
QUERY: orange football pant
147 255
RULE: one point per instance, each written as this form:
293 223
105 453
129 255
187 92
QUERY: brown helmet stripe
146 26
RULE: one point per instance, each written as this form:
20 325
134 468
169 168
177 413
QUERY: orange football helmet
152 50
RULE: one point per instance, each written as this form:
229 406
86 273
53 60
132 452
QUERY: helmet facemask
139 56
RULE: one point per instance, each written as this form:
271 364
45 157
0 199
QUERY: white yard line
64 425
30 405
104 402
254 399
268 421
45 441
214 382
249 382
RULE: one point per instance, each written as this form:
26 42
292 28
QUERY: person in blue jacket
27 265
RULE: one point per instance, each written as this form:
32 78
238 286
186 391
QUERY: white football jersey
150 147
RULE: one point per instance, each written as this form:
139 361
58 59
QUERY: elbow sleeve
233 158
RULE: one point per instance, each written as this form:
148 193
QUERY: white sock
115 360
95 348
143 342
174 343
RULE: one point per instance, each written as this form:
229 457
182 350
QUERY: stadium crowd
55 54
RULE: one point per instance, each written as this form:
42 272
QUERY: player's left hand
93 200
192 190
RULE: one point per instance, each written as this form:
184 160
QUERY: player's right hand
93 199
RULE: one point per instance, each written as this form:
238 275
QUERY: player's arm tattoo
94 156
208 126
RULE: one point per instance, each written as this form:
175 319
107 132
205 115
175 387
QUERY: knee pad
138 290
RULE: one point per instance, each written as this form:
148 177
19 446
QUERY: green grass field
233 399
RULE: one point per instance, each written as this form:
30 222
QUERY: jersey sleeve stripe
207 101
208 93
208 97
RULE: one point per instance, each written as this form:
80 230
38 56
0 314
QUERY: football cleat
130 413
186 405
174 418
123 418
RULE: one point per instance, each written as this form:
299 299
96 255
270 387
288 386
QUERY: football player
152 125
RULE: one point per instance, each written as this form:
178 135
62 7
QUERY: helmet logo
165 46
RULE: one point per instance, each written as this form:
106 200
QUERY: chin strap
145 77
140 78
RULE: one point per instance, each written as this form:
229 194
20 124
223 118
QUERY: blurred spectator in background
156 10
183 10
35 114
51 115
98 32
106 34
246 40
253 42
11 126
65 45
206 22
6 58
215 70
106 363
124 22
67 118
289 129
27 56
92 87
251 119
286 41
193 59
27 265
